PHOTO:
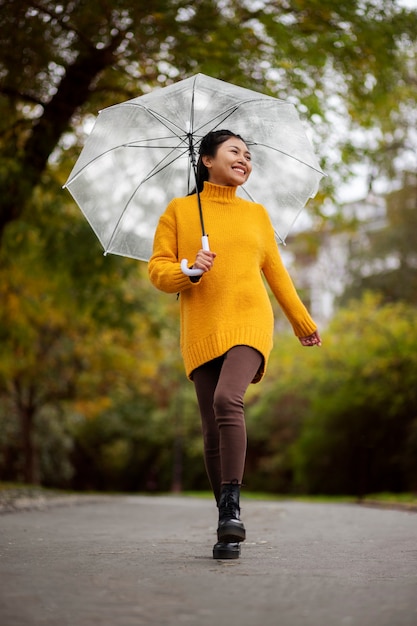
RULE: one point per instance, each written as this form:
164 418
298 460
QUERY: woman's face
232 164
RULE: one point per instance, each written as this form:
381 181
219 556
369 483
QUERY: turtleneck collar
221 193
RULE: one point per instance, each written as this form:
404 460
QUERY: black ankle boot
224 550
230 528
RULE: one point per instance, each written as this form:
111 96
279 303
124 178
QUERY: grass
385 499
399 499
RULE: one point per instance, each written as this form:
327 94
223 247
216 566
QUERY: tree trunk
74 89
177 463
30 460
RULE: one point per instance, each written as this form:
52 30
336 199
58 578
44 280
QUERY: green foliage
111 408
352 63
352 426
92 389
73 329
137 445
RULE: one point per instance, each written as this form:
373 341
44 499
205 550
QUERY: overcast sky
409 4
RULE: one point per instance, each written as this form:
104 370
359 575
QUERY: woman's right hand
312 340
204 260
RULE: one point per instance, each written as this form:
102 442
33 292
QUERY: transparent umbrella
142 153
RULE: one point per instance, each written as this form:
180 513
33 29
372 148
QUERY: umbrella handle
184 263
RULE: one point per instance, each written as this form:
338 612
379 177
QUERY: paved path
133 561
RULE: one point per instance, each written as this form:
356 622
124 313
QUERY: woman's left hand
311 340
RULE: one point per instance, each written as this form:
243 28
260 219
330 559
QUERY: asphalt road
133 561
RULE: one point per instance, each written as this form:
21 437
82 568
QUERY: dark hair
208 147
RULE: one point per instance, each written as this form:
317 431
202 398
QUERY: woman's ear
206 160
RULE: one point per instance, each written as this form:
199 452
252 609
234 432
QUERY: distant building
318 260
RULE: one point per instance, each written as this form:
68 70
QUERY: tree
74 325
61 61
55 357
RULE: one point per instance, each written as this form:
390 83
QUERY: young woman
226 315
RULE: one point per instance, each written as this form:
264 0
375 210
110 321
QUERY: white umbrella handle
184 263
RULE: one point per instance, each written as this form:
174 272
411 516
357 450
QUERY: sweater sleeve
284 290
164 268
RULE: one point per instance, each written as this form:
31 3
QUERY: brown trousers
220 387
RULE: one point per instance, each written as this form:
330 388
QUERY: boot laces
229 508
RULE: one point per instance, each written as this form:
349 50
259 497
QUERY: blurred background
93 395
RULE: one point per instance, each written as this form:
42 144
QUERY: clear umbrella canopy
140 155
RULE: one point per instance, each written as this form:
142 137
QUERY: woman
226 315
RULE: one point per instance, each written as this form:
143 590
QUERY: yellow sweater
229 305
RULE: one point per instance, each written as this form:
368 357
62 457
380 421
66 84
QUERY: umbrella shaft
194 166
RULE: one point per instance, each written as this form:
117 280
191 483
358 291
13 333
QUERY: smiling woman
231 165
226 315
